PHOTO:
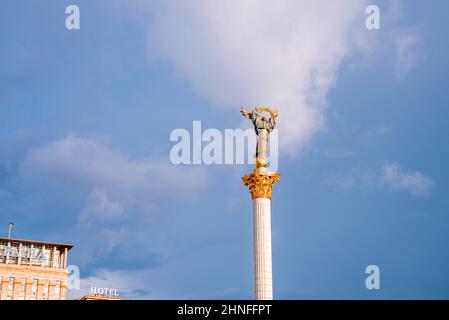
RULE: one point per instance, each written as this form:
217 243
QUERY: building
33 270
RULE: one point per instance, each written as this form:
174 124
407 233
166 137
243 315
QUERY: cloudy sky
86 117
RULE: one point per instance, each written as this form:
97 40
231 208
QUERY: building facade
33 270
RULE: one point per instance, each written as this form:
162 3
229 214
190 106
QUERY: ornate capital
261 183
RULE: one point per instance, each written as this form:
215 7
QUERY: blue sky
86 116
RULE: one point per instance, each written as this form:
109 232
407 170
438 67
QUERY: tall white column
263 280
260 183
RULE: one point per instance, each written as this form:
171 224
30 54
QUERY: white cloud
388 175
402 45
99 205
408 49
112 179
379 131
407 42
414 182
375 133
285 53
116 191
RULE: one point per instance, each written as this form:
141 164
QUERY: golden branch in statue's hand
273 113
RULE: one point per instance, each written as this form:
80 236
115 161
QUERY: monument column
260 183
263 279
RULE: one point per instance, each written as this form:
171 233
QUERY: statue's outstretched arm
245 113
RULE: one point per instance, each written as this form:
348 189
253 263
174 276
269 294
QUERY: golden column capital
261 183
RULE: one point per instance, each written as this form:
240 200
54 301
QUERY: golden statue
260 181
263 126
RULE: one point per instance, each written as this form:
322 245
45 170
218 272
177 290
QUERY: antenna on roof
11 225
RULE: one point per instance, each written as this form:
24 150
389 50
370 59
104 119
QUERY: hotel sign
111 292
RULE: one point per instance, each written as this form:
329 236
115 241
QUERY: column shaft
263 283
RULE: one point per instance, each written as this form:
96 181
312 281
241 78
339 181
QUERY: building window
58 289
22 289
10 288
34 286
45 292
34 290
11 283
